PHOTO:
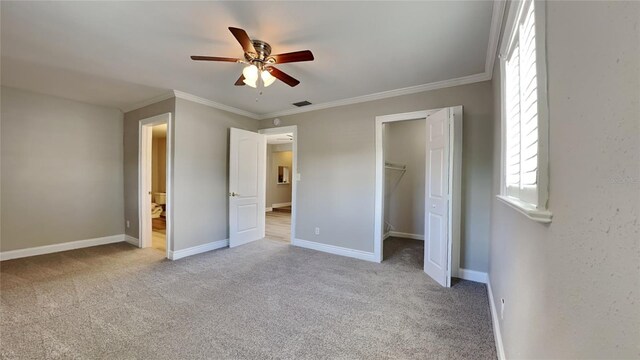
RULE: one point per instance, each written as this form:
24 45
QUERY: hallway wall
277 193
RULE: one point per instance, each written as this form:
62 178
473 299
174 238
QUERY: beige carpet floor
262 300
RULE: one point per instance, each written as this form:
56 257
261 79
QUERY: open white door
247 165
436 246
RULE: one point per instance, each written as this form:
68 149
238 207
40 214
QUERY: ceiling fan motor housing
263 50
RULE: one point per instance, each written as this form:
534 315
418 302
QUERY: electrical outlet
502 309
317 231
128 224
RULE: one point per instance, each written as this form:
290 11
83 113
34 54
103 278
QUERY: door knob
234 194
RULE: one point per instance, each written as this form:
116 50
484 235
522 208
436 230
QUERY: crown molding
385 94
465 80
164 96
190 97
494 35
213 104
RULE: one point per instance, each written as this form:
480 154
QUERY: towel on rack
156 210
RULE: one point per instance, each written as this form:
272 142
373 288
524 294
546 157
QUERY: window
524 111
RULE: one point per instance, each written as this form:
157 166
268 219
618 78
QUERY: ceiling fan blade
243 39
214 58
240 81
283 77
297 56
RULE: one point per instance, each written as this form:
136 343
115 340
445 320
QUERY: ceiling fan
257 55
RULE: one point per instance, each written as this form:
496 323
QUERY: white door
247 164
436 245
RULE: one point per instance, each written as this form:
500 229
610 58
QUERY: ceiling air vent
302 103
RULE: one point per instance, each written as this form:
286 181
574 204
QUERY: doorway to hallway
279 186
253 168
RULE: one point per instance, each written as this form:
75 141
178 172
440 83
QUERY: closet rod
393 166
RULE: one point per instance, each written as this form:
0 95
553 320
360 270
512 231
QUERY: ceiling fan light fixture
251 74
267 78
253 83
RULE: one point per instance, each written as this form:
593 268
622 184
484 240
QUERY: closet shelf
392 166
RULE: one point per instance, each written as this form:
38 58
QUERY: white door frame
144 179
454 181
294 171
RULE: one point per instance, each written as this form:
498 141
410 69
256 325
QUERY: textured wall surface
571 288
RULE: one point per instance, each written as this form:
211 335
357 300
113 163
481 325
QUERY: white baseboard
179 254
472 275
48 249
279 205
497 334
404 235
269 209
336 250
131 240
386 235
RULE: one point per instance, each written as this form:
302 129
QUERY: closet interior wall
405 146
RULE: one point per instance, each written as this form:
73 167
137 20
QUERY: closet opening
404 151
418 190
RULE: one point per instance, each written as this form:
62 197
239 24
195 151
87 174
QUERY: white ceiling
122 53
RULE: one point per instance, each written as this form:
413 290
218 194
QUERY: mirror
283 175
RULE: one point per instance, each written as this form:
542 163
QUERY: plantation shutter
521 159
513 122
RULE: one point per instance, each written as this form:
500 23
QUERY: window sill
530 211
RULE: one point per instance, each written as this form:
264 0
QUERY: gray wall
61 170
571 288
131 124
277 193
405 143
337 166
200 169
201 172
